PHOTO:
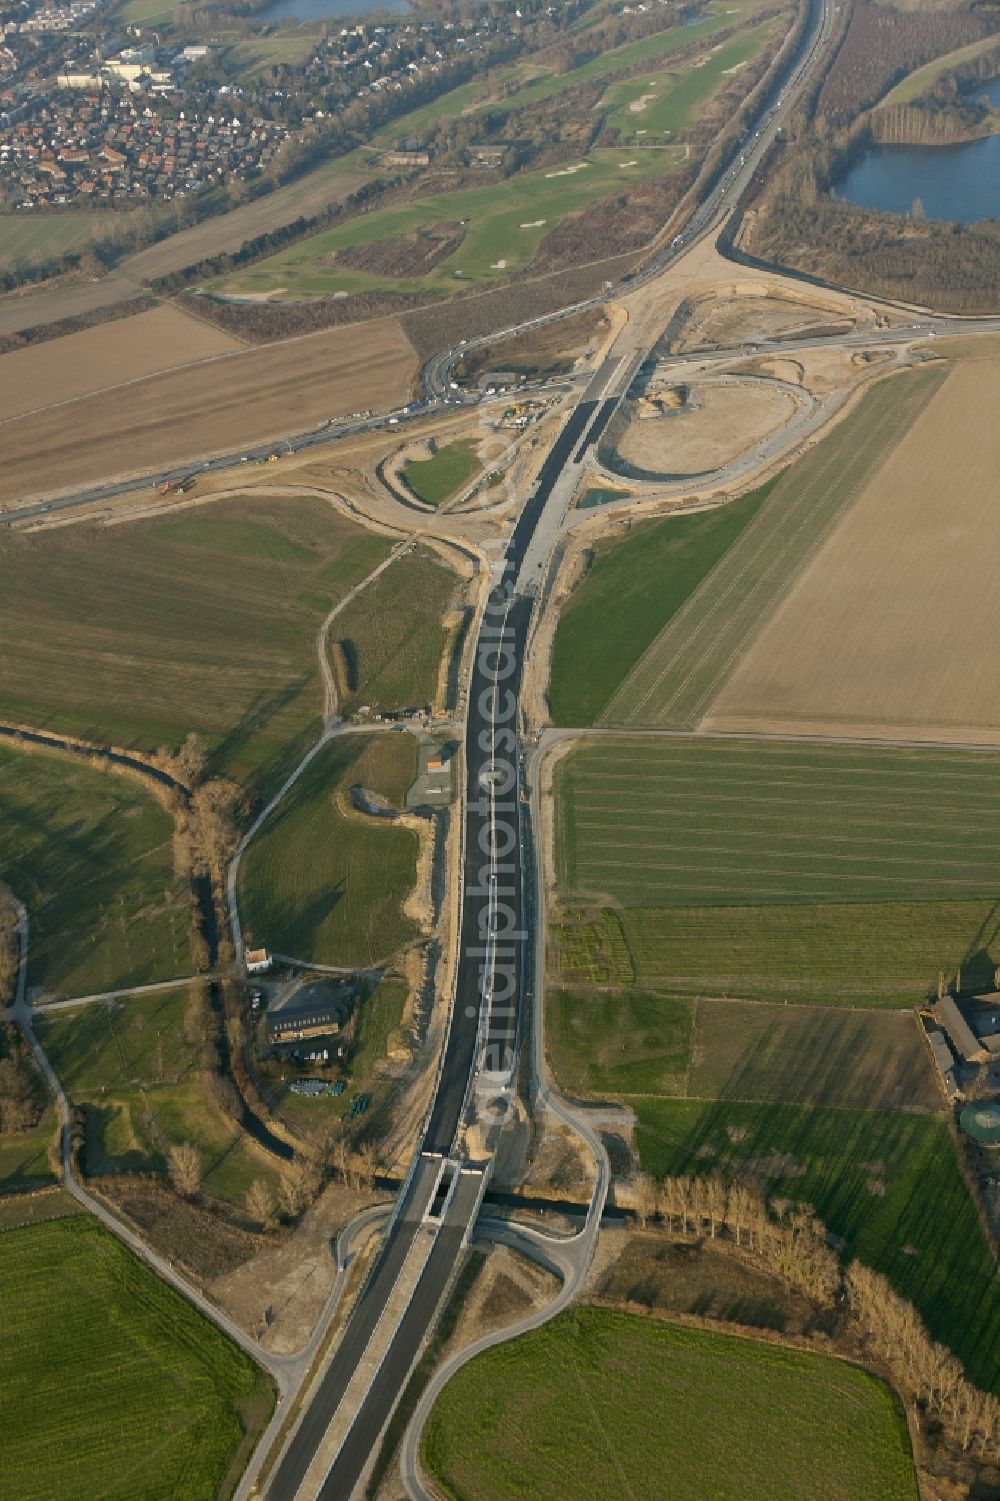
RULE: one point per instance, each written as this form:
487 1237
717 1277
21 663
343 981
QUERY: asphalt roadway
482 1035
290 1472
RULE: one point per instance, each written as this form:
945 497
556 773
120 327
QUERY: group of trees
299 1182
925 1373
785 1236
789 1241
882 46
20 1095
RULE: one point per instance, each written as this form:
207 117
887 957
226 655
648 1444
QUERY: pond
322 10
960 183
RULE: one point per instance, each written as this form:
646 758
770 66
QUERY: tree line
789 1241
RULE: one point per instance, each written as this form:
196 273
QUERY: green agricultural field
203 621
675 681
729 822
888 1183
323 882
636 584
91 856
865 954
624 1043
658 106
436 479
504 221
786 870
604 1043
27 236
599 1403
120 1389
130 1064
391 638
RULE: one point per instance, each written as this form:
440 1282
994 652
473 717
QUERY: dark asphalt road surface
414 1325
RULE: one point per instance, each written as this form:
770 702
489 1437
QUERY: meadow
120 1389
886 1182
91 856
604 1403
677 678
436 479
660 105
504 222
617 1043
634 587
24 1155
392 638
781 870
326 886
718 822
633 1043
204 621
24 236
130 1064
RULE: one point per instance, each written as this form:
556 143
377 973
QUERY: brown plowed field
110 355
239 399
891 629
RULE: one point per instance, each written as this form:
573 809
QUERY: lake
960 183
323 10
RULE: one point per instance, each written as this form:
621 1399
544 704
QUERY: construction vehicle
177 486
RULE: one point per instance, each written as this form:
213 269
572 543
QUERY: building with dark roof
960 1034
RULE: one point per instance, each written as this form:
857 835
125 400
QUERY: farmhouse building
984 1018
258 961
315 1011
960 1034
944 1061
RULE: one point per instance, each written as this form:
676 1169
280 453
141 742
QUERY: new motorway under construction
336 1438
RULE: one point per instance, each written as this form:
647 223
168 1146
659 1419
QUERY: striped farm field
783 870
691 822
678 677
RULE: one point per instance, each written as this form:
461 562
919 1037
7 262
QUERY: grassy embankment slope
119 1388
324 882
91 856
601 1403
140 1077
204 621
921 79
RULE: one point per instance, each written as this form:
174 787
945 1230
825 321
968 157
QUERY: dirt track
245 398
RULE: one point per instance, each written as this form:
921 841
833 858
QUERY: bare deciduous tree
260 1203
184 1168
